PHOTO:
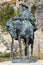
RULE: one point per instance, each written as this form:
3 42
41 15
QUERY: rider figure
26 14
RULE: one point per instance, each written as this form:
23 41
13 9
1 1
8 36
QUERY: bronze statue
21 27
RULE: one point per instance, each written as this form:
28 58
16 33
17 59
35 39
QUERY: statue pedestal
31 59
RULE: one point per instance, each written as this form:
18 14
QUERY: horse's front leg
11 55
19 39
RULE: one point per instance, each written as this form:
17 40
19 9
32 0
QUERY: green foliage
4 57
6 13
33 9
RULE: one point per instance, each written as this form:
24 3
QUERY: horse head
10 28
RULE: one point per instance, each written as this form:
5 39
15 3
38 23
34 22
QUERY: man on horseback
24 27
27 15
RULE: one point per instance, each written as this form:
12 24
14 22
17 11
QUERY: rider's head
24 7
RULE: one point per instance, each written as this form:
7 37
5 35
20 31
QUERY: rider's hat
23 5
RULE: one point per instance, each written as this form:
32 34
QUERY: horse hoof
20 58
32 59
27 58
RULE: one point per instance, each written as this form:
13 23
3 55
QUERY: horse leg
27 46
32 48
25 49
11 55
19 39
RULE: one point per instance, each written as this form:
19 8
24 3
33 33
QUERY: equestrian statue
22 27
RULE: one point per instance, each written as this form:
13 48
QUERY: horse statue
18 28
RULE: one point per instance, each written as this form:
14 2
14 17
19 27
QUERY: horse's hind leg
32 48
25 49
27 45
19 39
